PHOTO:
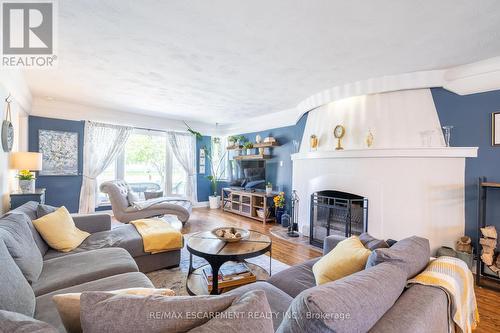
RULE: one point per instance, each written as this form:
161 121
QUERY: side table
19 198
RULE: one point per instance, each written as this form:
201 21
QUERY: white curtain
184 148
102 144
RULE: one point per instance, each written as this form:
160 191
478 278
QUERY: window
145 161
108 174
146 164
220 156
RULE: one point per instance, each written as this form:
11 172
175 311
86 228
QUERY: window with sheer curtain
147 164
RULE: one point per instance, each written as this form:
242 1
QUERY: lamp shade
26 161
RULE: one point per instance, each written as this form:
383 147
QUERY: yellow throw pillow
348 257
68 305
59 230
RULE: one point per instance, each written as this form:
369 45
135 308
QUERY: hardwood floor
205 219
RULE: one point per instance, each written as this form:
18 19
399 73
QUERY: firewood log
464 244
487 258
489 250
497 263
494 268
489 232
489 242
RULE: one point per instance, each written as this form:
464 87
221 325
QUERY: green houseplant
248 146
217 170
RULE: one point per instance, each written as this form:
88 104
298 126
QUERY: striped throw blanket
454 277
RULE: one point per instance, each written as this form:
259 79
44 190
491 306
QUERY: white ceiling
225 60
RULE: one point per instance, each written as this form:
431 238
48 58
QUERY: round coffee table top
205 244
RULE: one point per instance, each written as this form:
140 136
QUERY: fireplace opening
337 213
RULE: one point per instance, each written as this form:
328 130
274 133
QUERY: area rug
175 278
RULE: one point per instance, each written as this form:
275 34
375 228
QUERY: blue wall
281 176
202 183
471 117
61 190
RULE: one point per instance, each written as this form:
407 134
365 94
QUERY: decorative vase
269 190
313 142
369 139
214 201
279 214
258 138
249 151
27 186
285 220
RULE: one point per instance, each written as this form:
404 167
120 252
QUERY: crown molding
466 79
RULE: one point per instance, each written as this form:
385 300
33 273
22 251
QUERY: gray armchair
125 212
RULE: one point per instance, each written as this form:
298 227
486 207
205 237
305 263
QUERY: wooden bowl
244 234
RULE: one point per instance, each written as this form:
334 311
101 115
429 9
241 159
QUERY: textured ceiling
221 61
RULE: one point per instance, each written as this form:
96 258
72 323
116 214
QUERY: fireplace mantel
423 152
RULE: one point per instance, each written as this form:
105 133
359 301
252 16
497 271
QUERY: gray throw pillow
43 210
17 236
132 197
19 323
106 312
411 254
30 209
371 242
351 304
249 313
15 292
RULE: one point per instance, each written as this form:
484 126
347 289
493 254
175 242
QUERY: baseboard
201 204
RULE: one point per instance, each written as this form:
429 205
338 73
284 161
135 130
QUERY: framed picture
495 129
59 152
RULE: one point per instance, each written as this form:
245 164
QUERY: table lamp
26 162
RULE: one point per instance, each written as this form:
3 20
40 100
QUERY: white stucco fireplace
414 184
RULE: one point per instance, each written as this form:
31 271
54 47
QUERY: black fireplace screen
337 213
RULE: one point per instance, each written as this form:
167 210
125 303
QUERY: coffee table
205 245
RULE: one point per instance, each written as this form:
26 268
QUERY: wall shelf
252 157
256 145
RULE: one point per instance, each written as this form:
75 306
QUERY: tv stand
247 203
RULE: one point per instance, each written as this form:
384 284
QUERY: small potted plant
248 146
269 188
232 140
279 206
26 181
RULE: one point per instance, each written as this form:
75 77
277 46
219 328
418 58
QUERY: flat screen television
249 174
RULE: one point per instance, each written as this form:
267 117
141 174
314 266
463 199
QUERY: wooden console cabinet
246 203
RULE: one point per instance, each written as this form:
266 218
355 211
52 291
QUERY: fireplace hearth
337 213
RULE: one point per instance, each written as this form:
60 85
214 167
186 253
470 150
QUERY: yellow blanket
157 235
454 277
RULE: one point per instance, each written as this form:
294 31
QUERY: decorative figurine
313 142
339 133
369 139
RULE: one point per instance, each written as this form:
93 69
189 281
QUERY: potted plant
279 206
232 140
269 188
26 181
217 169
248 146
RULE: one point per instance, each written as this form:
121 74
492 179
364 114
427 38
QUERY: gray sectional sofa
31 273
375 299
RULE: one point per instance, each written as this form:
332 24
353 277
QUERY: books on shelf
230 275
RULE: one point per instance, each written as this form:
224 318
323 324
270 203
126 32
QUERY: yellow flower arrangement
25 175
279 200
